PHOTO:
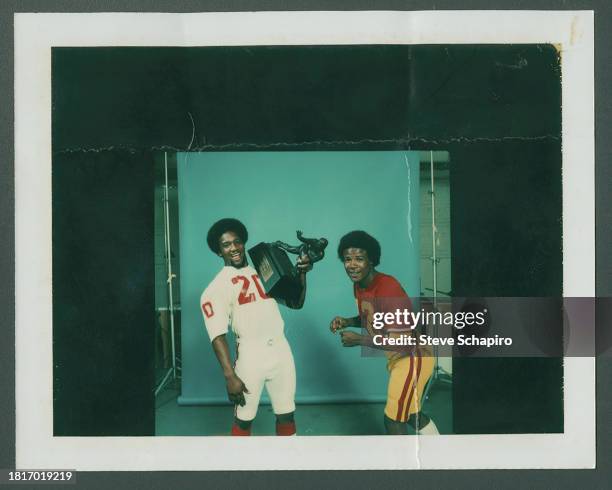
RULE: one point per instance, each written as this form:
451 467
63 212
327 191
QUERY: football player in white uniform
236 298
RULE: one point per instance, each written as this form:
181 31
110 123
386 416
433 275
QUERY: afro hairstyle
360 239
222 226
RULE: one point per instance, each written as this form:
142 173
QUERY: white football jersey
236 298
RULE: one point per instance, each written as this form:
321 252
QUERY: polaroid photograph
274 240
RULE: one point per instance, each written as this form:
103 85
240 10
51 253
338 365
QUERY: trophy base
276 272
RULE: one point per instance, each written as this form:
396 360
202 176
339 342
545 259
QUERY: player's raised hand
236 390
338 323
303 264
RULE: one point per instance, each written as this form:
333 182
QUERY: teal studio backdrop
324 194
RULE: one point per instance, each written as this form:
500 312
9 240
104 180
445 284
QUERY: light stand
172 371
439 374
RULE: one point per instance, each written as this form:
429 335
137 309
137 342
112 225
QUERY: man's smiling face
231 249
357 265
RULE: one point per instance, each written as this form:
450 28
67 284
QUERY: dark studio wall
496 109
102 293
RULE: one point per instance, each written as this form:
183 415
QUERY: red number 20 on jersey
244 297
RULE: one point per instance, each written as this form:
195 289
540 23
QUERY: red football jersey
385 295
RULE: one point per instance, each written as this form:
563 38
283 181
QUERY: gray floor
312 420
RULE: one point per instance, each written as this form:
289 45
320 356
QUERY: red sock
286 429
237 431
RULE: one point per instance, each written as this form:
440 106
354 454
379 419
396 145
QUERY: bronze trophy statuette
278 275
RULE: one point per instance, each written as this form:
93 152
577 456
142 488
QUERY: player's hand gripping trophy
311 248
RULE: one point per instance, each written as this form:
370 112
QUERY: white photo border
571 31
